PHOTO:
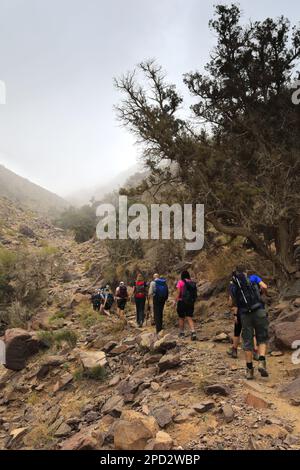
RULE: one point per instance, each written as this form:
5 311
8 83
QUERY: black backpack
247 295
189 295
123 292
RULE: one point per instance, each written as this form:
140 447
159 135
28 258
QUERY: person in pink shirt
185 299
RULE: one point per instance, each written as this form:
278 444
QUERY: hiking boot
255 356
249 374
262 368
193 336
181 334
232 352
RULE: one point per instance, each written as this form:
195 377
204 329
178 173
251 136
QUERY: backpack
161 289
109 301
189 294
140 289
122 292
247 295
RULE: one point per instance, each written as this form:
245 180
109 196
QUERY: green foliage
97 373
81 221
56 338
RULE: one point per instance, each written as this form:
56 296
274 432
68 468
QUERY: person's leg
261 327
160 312
248 342
137 307
142 311
191 324
233 351
181 318
155 314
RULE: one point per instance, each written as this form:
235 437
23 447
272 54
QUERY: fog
58 59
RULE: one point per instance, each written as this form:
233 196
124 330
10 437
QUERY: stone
203 407
64 380
152 358
228 413
118 350
217 389
63 430
20 345
273 431
221 338
49 363
113 406
185 416
109 346
131 435
154 386
165 344
114 381
276 353
291 390
148 421
92 359
163 415
147 340
169 361
162 441
85 439
256 402
286 333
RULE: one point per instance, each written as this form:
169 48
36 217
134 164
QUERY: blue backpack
161 289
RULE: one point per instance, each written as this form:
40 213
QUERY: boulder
92 359
292 389
113 406
20 345
147 340
109 346
63 381
85 439
204 406
165 344
256 402
49 363
163 415
228 413
162 441
134 430
286 333
169 361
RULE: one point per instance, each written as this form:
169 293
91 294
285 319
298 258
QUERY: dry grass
39 437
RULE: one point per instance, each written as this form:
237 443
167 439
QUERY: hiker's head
155 276
139 277
185 275
241 269
122 283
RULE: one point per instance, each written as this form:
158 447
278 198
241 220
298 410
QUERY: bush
81 221
17 315
98 373
56 338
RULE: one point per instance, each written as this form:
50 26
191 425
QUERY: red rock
256 402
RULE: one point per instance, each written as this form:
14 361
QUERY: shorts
184 310
121 303
254 324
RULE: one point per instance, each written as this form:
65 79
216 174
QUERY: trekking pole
240 287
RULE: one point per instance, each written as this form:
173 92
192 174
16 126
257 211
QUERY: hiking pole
240 287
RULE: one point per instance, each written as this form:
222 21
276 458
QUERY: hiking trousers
140 310
254 323
158 309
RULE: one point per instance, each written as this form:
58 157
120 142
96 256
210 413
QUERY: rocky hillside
28 194
84 381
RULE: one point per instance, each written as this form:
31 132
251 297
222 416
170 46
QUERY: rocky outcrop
20 345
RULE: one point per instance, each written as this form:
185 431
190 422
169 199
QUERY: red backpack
140 290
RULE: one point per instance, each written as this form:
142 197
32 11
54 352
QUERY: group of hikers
245 300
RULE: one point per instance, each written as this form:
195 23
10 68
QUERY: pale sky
58 59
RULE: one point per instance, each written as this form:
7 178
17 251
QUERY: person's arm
151 288
263 286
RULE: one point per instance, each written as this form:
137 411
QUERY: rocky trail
91 382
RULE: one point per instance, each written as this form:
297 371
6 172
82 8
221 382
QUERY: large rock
113 406
286 333
256 402
162 441
217 389
169 361
134 430
92 359
86 439
164 344
147 340
163 415
292 389
20 345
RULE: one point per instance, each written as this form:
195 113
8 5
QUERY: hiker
140 296
107 301
96 300
121 296
186 298
247 302
233 351
159 292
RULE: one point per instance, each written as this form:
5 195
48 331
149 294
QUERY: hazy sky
58 59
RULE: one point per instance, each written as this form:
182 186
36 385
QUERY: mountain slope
28 194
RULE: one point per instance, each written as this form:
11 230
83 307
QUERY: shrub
98 373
